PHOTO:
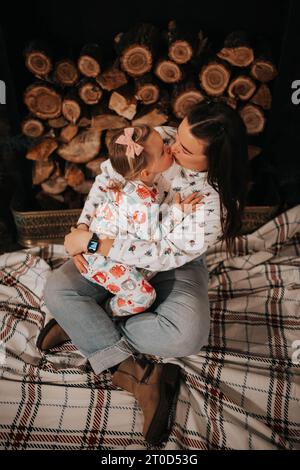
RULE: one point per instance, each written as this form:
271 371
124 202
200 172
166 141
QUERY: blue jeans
176 325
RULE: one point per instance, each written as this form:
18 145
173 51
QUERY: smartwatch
93 244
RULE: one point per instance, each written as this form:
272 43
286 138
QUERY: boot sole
162 421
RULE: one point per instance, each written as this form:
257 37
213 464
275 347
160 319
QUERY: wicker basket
44 227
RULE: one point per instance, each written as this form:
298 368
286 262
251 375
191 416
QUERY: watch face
93 245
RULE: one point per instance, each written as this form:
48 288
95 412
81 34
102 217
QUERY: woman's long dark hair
228 165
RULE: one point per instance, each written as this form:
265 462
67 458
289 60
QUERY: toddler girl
131 209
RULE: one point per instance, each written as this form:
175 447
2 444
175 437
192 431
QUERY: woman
210 153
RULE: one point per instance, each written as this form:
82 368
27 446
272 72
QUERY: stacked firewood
154 78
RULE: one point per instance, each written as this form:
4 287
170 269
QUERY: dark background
67 25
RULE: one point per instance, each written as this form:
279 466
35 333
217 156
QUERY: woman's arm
190 239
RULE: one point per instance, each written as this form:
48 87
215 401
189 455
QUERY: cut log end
66 73
88 66
136 60
180 51
253 151
90 93
214 78
185 101
54 185
254 119
57 123
42 150
112 78
148 93
33 128
263 97
71 110
108 121
237 56
74 175
38 63
153 116
168 71
68 132
83 147
263 70
42 101
241 87
41 171
123 103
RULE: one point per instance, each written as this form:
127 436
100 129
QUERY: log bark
38 59
168 71
89 62
32 127
71 107
263 97
123 102
68 133
241 87
137 49
66 73
147 89
112 78
180 44
83 148
73 175
43 101
214 77
89 91
254 119
42 150
42 170
184 97
237 50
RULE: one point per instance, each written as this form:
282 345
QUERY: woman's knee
191 335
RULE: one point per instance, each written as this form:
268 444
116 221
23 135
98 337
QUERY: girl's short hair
129 168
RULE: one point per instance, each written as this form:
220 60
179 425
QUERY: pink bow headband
133 149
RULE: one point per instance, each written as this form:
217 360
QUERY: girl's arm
95 195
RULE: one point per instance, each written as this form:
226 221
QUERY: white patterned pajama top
174 242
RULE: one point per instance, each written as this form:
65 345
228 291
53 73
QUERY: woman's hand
189 204
76 241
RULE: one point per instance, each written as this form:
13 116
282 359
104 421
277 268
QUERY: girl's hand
189 204
76 241
80 263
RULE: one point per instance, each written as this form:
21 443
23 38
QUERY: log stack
154 78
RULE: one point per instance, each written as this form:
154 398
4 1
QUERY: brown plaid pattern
240 392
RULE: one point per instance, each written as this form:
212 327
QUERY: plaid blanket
242 391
